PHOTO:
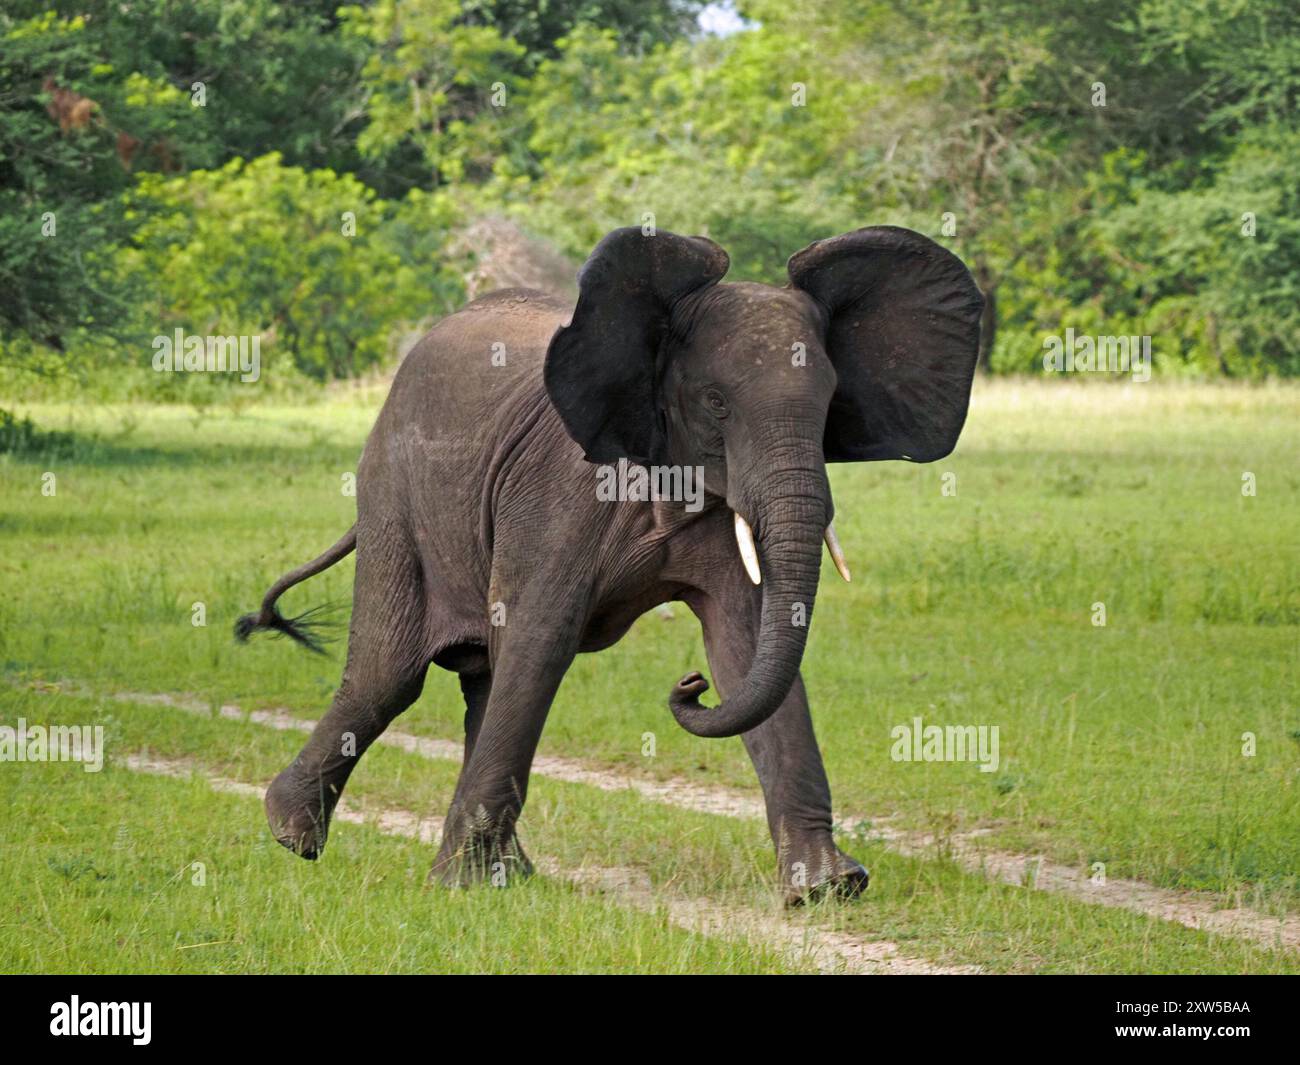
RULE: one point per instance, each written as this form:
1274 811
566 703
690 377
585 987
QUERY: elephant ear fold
903 322
602 368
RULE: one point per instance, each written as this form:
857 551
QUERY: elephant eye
717 404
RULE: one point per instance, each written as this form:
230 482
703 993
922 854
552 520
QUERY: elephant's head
867 353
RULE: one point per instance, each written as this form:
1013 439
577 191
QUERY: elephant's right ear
601 368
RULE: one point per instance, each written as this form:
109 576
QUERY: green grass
110 866
111 885
1120 744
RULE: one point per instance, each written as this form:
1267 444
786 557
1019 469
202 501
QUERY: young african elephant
483 544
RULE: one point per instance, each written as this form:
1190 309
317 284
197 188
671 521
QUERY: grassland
1120 744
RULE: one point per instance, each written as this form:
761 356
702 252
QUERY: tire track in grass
1196 910
829 952
683 794
1199 911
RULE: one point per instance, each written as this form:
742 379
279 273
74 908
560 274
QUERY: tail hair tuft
309 629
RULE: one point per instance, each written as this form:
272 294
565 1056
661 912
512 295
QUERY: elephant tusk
837 552
748 553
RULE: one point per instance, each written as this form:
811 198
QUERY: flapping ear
903 334
601 369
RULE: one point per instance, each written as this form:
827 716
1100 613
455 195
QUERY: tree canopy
1118 166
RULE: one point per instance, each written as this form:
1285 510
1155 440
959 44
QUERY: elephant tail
305 627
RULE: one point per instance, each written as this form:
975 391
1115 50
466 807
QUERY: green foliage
21 436
57 215
626 140
430 79
539 27
263 249
1226 294
270 75
1093 163
274 76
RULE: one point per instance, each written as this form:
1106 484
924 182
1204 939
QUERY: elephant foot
823 874
298 812
479 855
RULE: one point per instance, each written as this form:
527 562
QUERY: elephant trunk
789 525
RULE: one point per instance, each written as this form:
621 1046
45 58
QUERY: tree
58 177
314 263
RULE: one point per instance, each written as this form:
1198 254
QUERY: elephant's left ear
903 323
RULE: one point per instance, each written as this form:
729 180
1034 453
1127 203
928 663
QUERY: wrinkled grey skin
477 501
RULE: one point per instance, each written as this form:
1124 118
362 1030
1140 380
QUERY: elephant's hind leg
476 688
386 664
504 716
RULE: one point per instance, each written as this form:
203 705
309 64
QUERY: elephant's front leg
478 841
789 763
785 755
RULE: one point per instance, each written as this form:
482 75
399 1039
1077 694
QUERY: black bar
214 1014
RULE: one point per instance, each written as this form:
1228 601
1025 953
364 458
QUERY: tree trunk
989 317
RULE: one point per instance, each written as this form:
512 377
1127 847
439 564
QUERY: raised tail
303 628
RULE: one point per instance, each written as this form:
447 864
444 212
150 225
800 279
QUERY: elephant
484 545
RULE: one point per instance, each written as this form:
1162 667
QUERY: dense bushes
312 261
1118 168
